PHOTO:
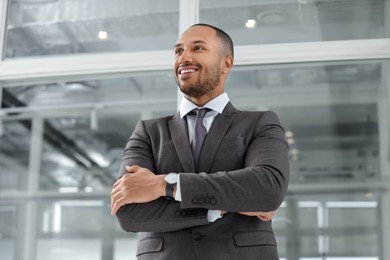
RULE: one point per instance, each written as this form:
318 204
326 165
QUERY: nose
185 57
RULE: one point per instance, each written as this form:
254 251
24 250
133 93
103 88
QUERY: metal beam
31 70
28 213
316 95
384 146
189 14
3 27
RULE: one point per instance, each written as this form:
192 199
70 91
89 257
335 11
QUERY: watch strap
169 188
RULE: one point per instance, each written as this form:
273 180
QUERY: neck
203 100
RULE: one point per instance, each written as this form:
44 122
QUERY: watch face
171 178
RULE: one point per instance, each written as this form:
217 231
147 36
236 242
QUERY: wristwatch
170 183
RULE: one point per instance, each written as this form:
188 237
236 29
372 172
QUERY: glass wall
14 150
88 122
38 28
329 112
269 21
61 137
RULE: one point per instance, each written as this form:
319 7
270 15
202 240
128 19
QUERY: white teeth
186 71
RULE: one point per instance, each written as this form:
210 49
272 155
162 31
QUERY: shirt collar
217 104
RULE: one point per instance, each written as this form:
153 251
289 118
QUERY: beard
204 85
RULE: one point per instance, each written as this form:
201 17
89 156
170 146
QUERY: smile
186 70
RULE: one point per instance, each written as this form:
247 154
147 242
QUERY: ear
227 64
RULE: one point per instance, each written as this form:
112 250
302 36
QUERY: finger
121 201
117 192
115 197
119 182
133 168
115 208
116 183
118 201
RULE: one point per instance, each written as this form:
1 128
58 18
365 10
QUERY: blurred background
76 76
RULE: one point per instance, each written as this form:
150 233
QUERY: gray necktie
199 134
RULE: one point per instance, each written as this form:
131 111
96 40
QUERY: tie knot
200 112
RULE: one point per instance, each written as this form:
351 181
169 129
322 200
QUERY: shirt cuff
178 189
213 215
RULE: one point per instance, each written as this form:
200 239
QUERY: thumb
132 168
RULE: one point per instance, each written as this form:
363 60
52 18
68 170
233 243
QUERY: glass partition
88 122
268 22
8 229
329 112
37 28
15 141
331 226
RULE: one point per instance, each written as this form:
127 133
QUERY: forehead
196 34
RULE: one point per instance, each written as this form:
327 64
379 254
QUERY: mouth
185 72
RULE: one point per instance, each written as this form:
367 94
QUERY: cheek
174 68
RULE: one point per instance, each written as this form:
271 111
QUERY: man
216 203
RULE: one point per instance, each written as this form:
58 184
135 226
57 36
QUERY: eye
178 51
199 48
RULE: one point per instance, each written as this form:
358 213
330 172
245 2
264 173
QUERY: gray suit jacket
243 167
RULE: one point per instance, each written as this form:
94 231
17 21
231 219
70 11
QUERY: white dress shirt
216 105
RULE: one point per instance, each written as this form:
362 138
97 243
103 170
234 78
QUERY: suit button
213 201
195 200
178 213
201 201
197 236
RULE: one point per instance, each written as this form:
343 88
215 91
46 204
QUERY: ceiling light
68 189
102 35
351 204
290 141
289 134
251 23
88 189
272 17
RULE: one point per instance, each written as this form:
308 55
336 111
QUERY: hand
138 185
264 216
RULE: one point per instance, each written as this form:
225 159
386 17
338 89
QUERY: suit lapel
214 137
179 132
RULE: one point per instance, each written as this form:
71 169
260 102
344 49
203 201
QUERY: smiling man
204 183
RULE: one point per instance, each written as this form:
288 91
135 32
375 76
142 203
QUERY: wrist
161 185
170 185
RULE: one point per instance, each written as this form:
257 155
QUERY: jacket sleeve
260 185
160 215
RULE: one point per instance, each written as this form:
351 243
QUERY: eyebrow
194 43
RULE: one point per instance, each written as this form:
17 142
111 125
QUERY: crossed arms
256 189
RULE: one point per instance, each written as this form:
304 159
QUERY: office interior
76 76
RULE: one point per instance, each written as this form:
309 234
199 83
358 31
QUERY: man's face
197 63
